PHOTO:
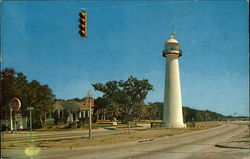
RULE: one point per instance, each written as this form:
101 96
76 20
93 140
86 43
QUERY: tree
151 111
32 93
41 98
124 97
114 111
154 111
109 104
140 111
191 115
134 93
12 85
101 108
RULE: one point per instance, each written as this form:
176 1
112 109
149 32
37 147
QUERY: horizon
126 39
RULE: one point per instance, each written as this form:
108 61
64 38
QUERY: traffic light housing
83 24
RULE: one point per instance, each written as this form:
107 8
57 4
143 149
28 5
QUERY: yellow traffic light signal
83 24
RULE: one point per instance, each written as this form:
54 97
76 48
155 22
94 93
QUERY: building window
61 114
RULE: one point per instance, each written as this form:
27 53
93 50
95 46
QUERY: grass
116 138
125 137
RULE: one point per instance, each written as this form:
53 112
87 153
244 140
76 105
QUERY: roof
70 106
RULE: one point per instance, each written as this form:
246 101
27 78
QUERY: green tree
151 111
155 111
15 85
12 85
41 98
134 93
140 111
125 97
101 108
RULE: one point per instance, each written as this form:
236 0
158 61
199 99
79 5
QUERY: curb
146 140
232 147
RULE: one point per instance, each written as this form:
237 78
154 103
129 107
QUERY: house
68 111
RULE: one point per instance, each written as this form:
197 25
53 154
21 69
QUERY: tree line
121 100
154 111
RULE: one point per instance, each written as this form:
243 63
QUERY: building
68 112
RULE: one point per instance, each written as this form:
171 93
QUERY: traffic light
83 24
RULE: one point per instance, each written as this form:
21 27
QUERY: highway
184 146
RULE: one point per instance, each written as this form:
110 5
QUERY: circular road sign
15 104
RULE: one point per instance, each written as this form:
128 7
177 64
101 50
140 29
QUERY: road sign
30 108
18 117
15 104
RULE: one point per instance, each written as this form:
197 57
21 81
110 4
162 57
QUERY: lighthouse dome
172 40
172 46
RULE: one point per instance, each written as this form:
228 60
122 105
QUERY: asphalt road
183 146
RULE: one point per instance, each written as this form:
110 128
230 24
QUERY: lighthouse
172 110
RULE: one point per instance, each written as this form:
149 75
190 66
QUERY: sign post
11 122
15 121
15 105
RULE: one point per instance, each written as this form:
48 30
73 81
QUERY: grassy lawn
137 135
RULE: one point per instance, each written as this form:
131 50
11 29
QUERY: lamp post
89 103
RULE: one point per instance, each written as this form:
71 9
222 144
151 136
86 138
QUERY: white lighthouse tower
172 111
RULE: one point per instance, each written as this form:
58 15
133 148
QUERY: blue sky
126 38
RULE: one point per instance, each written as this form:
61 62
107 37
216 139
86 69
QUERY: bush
49 123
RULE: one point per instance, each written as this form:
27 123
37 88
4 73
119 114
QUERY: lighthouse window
171 47
176 47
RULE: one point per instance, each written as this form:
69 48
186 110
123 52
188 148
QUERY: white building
73 111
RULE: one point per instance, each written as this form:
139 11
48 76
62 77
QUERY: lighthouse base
173 125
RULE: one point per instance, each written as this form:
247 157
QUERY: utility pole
89 103
90 120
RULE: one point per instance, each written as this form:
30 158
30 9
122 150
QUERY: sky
125 38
